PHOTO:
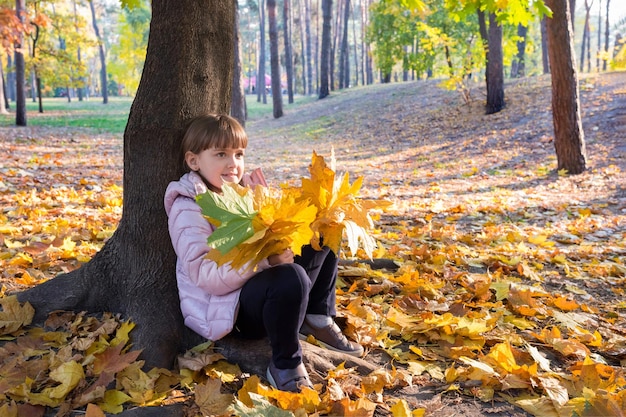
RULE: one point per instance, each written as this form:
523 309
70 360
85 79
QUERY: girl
284 298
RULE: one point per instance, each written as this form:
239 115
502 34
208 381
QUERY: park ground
473 197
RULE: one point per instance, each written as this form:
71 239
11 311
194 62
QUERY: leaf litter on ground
510 286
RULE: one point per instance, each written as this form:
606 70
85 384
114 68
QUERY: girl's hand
281 258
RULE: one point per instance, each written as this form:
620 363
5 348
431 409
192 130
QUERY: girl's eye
240 155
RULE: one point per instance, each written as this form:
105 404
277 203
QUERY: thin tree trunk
344 80
277 95
260 77
327 7
303 56
11 82
238 102
494 75
309 49
599 36
572 8
335 35
81 80
586 36
103 64
4 102
519 62
317 52
606 37
20 79
356 48
569 140
545 61
288 49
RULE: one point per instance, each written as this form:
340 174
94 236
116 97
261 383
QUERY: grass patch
113 116
92 114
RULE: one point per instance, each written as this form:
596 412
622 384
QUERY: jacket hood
189 185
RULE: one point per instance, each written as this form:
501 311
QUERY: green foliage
129 53
441 36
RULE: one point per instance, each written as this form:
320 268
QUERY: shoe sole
330 347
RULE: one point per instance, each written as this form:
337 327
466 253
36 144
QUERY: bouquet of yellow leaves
254 224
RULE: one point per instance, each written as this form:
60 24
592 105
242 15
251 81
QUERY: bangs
227 136
214 131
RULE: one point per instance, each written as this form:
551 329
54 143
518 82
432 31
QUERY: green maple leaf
233 212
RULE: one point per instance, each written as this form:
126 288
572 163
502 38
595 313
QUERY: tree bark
288 48
309 49
494 75
4 102
585 39
238 102
569 140
260 75
544 46
103 64
81 80
277 95
344 54
134 273
606 37
518 69
20 70
327 6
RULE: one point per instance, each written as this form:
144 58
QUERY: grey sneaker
331 338
292 380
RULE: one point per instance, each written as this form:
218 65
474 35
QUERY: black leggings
274 302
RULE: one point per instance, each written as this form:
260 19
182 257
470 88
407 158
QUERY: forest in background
71 48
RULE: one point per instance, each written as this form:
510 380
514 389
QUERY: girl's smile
217 165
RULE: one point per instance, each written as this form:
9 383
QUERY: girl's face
218 165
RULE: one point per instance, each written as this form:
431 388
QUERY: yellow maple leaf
14 315
338 208
280 222
210 399
361 407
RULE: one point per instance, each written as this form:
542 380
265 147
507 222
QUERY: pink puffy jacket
209 295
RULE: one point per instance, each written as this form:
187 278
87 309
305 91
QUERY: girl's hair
212 131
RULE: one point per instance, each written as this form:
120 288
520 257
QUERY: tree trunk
494 75
238 102
606 37
260 77
327 7
81 80
356 48
103 64
519 68
134 273
569 140
599 36
572 8
344 55
309 49
4 102
303 46
38 83
586 36
277 94
20 71
288 49
545 61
